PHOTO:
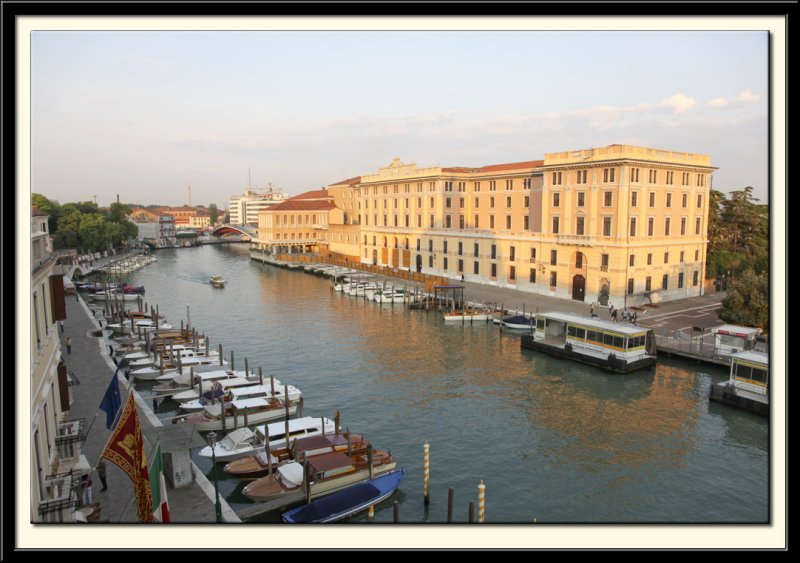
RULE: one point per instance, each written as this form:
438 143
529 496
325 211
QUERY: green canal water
553 441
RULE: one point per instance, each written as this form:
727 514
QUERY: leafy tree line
738 256
85 226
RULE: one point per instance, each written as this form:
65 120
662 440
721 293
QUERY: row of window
608 199
609 176
448 222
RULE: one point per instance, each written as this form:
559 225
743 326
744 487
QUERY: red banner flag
126 449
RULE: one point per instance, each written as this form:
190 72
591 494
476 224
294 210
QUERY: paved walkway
91 363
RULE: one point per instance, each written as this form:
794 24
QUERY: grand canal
553 441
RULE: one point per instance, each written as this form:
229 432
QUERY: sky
145 114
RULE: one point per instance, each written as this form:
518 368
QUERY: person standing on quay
101 472
68 344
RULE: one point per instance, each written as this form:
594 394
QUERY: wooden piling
286 405
449 505
369 461
481 501
221 357
426 474
306 479
222 414
260 376
471 512
233 365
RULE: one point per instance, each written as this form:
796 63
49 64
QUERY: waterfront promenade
673 321
92 365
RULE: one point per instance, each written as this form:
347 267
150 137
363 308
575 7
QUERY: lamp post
212 441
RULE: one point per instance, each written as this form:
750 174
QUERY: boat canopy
306 422
251 390
328 462
291 473
752 357
236 437
606 326
243 404
316 442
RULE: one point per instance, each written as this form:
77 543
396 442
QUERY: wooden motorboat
327 474
254 466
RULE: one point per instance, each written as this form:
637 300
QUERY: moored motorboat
467 316
254 466
520 322
328 473
233 414
347 502
217 281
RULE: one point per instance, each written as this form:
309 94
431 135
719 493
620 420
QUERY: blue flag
111 401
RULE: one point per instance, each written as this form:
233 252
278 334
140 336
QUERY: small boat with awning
310 444
327 474
348 502
237 413
618 347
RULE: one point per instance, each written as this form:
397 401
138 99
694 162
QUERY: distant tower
117 198
190 195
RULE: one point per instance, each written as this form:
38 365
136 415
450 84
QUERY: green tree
747 301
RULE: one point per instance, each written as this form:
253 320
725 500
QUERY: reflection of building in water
634 421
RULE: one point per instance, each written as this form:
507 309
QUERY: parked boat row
127 265
283 456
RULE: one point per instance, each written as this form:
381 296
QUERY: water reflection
552 439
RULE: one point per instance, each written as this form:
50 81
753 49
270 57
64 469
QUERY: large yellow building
619 223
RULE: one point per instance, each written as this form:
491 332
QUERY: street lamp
212 441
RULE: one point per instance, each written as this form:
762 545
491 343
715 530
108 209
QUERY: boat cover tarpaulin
326 462
334 504
316 442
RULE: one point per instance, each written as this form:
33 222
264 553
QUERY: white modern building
244 209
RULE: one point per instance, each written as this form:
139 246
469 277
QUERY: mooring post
426 475
449 505
481 499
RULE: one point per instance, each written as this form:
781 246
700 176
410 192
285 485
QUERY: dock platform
727 394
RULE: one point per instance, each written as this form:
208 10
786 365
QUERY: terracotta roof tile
316 194
349 181
511 166
300 205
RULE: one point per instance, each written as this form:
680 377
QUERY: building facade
620 223
56 461
299 224
244 209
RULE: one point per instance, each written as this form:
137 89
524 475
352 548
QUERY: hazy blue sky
143 114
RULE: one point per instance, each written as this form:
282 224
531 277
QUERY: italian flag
158 487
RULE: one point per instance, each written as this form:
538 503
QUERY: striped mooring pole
481 499
427 473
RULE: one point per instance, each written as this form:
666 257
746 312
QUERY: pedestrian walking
68 344
591 309
101 472
86 490
614 315
61 324
462 277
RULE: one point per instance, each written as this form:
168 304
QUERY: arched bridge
228 230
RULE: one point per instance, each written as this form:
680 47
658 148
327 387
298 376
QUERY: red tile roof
349 181
512 166
316 194
300 205
495 167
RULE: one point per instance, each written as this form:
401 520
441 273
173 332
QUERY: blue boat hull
348 502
